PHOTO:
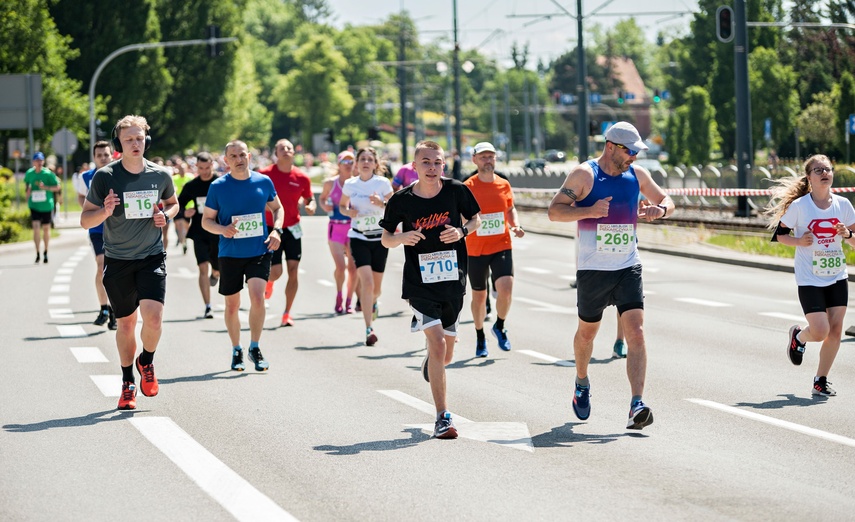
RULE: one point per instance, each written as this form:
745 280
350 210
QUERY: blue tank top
618 246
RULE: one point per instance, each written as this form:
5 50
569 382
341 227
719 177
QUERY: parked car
536 163
555 156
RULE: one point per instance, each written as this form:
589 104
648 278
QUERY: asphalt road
340 431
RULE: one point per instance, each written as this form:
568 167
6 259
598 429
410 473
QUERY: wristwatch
664 209
279 231
465 231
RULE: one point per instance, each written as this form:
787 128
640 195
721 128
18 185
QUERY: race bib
492 224
200 203
249 225
615 238
439 266
38 196
140 204
368 223
827 263
296 231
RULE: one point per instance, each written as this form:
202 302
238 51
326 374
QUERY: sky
489 25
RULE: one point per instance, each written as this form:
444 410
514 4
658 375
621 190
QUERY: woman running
337 230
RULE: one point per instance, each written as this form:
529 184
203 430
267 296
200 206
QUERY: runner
337 230
234 209
292 186
42 185
405 176
182 223
205 244
124 196
490 246
431 213
363 199
103 154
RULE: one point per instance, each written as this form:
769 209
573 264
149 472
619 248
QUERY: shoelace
256 354
128 392
148 373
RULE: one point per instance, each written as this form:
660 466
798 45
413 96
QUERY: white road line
184 273
58 299
61 313
109 385
324 282
702 302
788 317
88 354
60 289
535 270
418 404
65 271
62 279
776 422
541 306
70 330
226 487
69 264
547 358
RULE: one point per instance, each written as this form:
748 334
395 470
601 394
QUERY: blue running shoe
444 427
237 360
502 337
582 402
639 416
619 351
255 356
481 348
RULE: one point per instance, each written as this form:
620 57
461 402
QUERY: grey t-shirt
130 232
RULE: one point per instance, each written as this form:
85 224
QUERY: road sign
21 101
596 97
604 126
767 129
17 148
64 142
852 124
567 99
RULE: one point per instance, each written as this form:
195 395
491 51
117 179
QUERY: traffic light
374 133
621 97
213 49
657 96
593 128
330 136
724 23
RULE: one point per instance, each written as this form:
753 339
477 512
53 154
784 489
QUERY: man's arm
576 186
661 205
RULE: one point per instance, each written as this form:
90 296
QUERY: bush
10 232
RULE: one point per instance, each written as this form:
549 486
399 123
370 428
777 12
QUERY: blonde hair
132 120
788 189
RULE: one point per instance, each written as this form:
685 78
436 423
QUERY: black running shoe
44 257
640 416
795 349
444 427
425 369
111 324
38 257
208 313
103 317
822 387
237 360
256 357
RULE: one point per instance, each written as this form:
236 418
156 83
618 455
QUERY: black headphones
117 144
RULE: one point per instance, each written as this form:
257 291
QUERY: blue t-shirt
247 199
87 178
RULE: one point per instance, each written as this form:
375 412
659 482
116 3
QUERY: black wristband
465 231
850 233
664 210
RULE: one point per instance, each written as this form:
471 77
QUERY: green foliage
845 107
773 95
815 131
694 128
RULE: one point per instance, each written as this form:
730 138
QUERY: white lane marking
813 432
65 271
75 259
547 358
651 269
184 273
567 277
60 289
62 279
58 299
514 435
69 264
61 313
110 385
536 270
540 306
788 317
702 302
88 354
324 282
71 330
220 482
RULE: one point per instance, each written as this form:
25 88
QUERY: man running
292 186
205 244
602 195
234 209
490 246
42 187
125 196
435 215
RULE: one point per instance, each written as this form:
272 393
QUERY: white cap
484 146
625 133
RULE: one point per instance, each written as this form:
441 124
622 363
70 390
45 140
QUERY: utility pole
509 143
744 150
402 85
458 131
581 90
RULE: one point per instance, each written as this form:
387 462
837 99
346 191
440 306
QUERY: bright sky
488 24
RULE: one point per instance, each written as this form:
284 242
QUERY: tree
694 131
815 132
845 107
773 95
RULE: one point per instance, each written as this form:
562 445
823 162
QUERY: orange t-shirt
494 199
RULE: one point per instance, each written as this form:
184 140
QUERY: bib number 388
828 263
438 266
615 238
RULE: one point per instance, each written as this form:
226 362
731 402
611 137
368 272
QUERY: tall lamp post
458 131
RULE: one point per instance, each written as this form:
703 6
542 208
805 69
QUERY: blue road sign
596 98
767 129
605 126
567 99
852 124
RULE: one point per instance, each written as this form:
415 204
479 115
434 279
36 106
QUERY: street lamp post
458 131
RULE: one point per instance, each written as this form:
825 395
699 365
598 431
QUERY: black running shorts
821 298
496 265
427 313
235 270
369 253
129 281
597 289
293 248
206 247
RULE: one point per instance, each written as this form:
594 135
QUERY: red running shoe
128 398
286 320
268 290
148 384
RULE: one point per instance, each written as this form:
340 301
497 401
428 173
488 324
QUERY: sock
253 344
817 378
441 414
479 334
146 357
128 373
105 308
500 324
583 382
238 348
635 399
798 340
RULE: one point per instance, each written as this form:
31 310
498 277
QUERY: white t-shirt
822 263
366 225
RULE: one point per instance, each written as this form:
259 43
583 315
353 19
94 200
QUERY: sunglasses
819 171
624 147
346 162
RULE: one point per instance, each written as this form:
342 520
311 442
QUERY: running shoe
103 317
502 337
38 258
44 257
128 398
619 351
582 402
489 309
339 309
286 320
237 360
184 247
148 384
425 369
268 290
795 349
216 279
639 416
111 323
358 307
347 308
375 312
260 363
208 313
370 337
481 348
822 387
444 427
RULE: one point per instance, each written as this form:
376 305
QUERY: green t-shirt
130 232
41 200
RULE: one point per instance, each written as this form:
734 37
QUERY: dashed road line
109 385
71 330
60 289
88 354
60 313
58 300
542 306
702 302
788 317
548 358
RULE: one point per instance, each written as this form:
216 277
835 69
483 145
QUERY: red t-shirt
290 187
494 199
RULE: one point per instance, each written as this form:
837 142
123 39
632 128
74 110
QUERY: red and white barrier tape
695 191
